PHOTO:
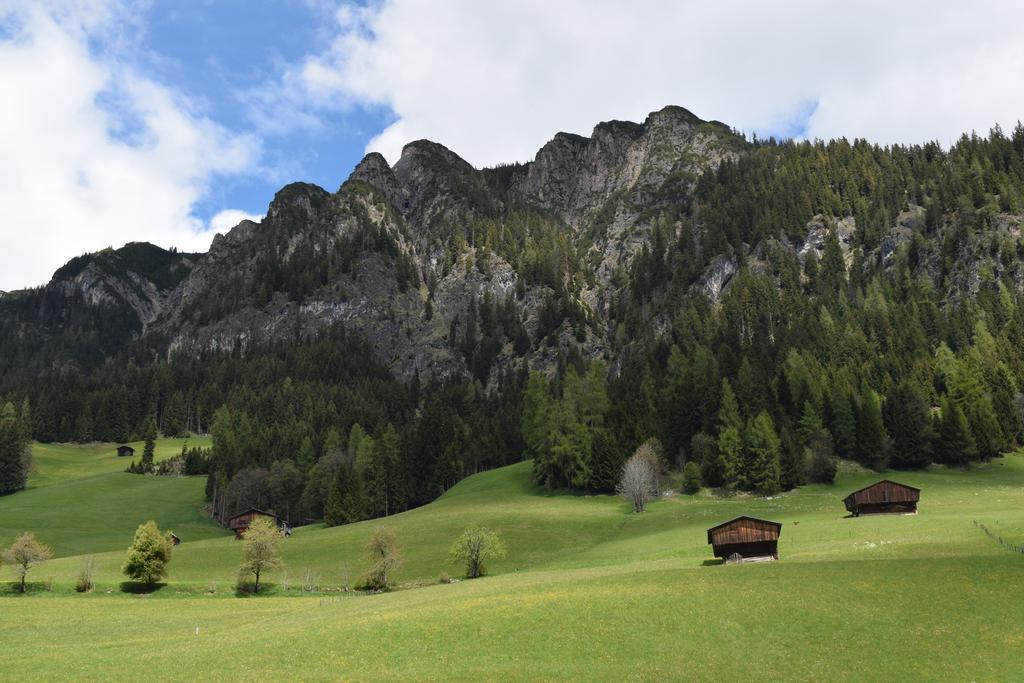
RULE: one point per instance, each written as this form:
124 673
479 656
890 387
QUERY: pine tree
955 443
871 436
307 453
382 475
844 423
15 450
907 420
760 471
334 509
149 449
730 438
607 459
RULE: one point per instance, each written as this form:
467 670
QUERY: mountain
842 284
397 254
92 308
401 255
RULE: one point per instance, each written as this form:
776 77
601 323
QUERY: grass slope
79 500
588 591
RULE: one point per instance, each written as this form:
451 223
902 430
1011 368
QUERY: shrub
823 468
310 580
385 557
86 571
691 478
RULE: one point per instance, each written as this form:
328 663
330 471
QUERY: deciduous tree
26 552
149 555
261 550
476 546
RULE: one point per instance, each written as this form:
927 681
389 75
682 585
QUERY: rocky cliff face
410 255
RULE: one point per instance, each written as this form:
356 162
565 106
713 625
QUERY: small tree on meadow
25 553
149 555
475 546
149 448
261 549
639 480
691 478
386 558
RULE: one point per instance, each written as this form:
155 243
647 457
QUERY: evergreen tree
729 445
844 424
760 470
383 474
955 444
307 453
334 508
871 437
149 447
607 459
907 420
691 478
15 450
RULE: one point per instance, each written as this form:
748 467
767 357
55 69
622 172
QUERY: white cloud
229 218
494 81
94 153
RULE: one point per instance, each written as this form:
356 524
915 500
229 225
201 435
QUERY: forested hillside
759 307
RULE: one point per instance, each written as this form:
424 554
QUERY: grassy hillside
79 500
588 591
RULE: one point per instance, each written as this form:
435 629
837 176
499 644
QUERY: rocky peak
433 178
298 201
375 171
576 176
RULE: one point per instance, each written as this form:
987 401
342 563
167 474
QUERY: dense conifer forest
898 343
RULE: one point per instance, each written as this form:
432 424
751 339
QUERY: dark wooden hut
883 497
745 538
240 523
174 539
126 451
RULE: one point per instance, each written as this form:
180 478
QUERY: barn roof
252 510
880 483
712 530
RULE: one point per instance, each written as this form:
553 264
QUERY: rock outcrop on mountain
445 268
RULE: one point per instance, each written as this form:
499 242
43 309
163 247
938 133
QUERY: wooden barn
175 539
883 497
240 523
745 538
126 451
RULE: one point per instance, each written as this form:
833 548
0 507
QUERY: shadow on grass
712 563
137 588
247 590
13 588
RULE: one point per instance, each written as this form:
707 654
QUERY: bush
310 580
823 468
86 571
691 478
444 578
386 559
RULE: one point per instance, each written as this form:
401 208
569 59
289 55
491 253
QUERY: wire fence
999 539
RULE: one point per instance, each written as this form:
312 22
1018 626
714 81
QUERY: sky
171 120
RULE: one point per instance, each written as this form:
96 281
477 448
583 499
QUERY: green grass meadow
588 590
